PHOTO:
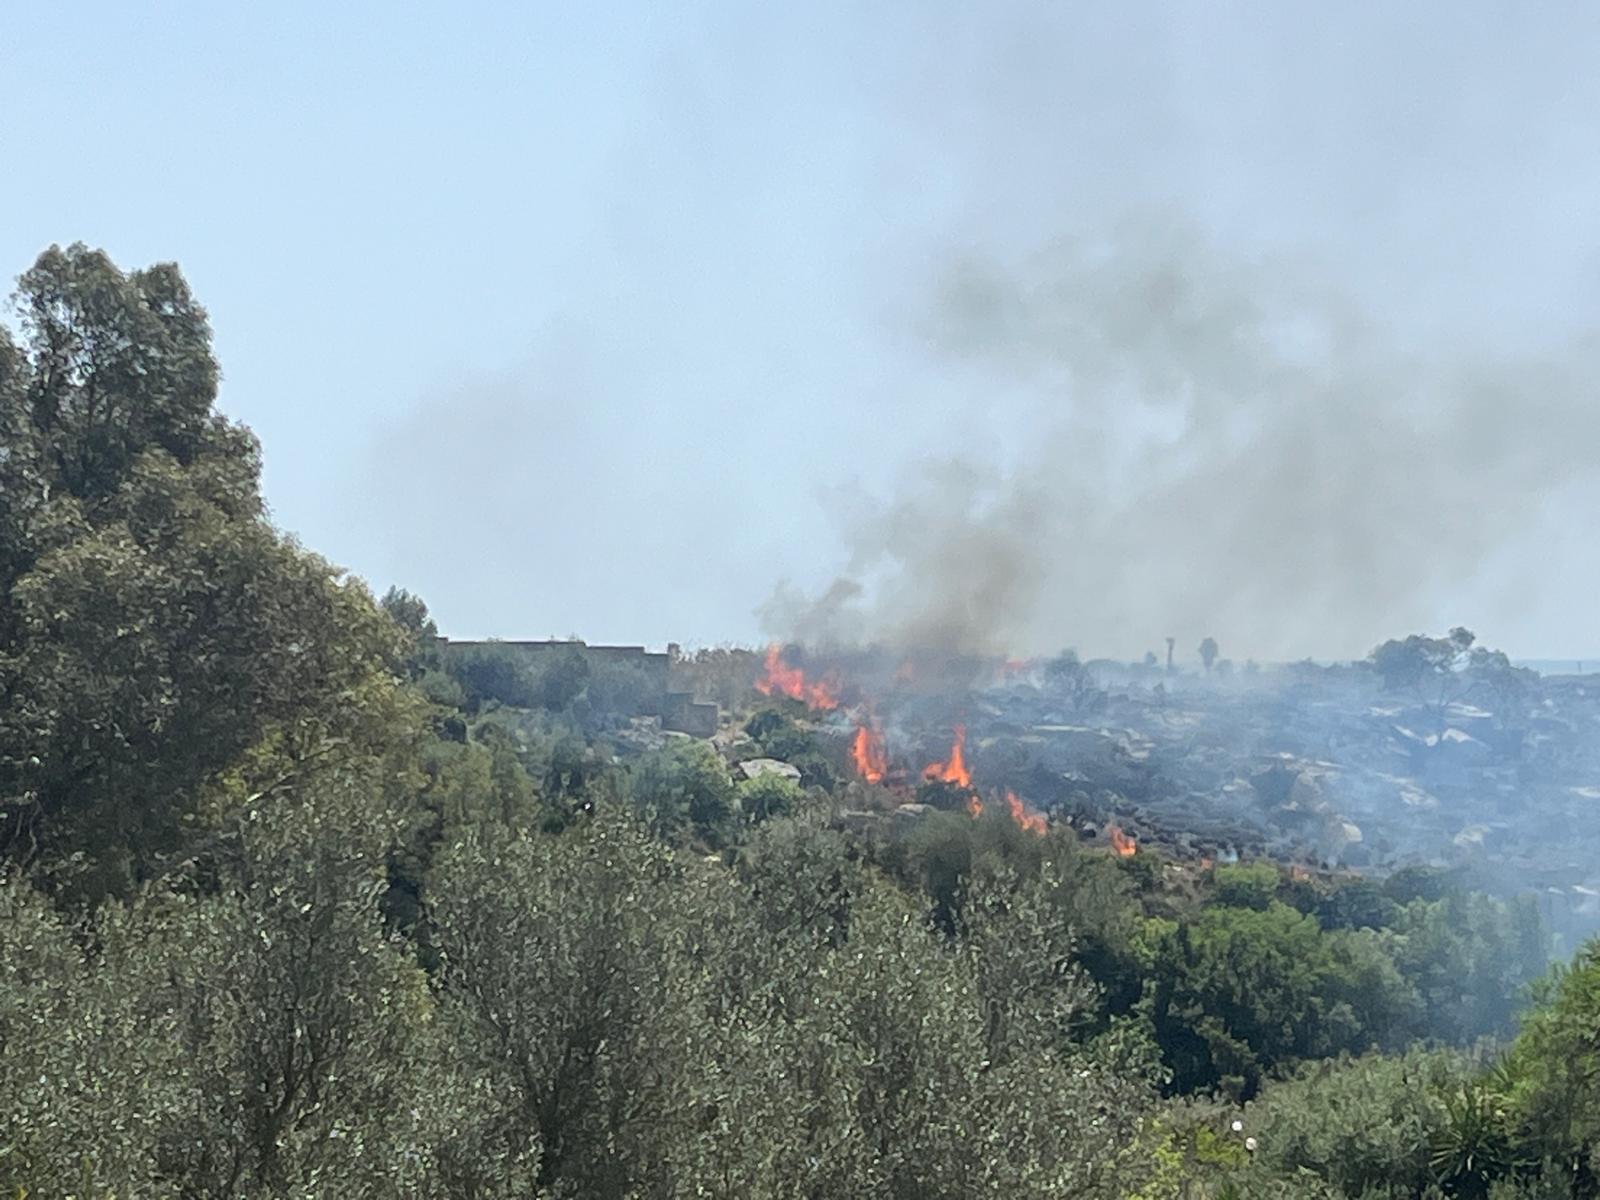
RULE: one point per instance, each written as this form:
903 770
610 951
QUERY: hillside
297 898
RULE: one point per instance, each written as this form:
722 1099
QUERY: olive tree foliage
642 1022
864 1052
258 1038
71 1056
564 969
153 625
1022 948
1363 1126
610 1017
1427 1124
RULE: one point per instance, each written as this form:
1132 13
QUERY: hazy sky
607 319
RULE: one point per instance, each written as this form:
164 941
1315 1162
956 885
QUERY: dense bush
493 674
767 796
1553 1072
685 786
247 1040
1238 992
1363 1125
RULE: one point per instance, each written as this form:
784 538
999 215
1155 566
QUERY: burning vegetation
868 754
954 769
1031 821
781 679
1421 755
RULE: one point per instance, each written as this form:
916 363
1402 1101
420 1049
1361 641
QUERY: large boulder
754 768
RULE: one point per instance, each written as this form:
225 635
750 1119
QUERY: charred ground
1431 753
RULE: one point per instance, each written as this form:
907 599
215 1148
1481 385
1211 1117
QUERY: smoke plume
1203 444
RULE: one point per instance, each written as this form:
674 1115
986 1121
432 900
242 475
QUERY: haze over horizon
1041 327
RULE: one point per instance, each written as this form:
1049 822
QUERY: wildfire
1124 845
955 770
1032 822
871 759
1298 873
783 680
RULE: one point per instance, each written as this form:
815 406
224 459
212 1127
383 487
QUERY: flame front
1124 845
783 680
955 770
872 761
1032 822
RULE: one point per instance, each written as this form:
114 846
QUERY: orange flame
1124 845
1032 822
954 771
1298 873
974 806
783 680
872 761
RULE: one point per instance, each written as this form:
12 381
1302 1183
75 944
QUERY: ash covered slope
1431 752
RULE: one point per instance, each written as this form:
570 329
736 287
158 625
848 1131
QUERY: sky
1018 325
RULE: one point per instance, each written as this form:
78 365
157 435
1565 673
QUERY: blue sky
606 319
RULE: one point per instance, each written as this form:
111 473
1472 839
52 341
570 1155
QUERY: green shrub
768 795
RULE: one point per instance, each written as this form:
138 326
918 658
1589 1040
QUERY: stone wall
679 711
685 714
